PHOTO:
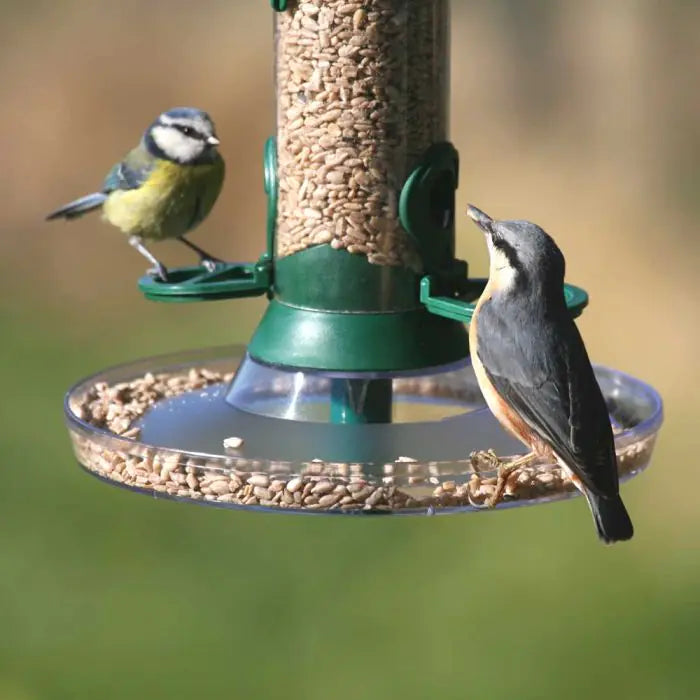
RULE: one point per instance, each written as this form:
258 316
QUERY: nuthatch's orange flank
533 369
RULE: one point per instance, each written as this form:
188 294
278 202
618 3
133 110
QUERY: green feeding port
335 309
427 206
462 309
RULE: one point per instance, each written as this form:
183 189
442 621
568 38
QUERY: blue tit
164 187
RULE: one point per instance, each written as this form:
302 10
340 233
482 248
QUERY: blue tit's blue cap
185 113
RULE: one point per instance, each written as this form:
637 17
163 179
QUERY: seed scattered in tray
405 485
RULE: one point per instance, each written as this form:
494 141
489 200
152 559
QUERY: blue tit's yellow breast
172 200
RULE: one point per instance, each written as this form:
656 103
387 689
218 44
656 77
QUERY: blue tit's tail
78 207
611 518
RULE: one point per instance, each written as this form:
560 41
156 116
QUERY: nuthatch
534 372
164 187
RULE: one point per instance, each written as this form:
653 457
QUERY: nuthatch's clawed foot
487 458
505 469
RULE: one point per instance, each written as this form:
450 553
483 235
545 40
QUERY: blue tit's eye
186 130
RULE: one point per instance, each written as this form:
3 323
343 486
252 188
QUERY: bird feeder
356 393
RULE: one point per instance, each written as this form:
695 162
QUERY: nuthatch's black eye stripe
509 251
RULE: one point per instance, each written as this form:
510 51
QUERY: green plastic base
356 342
335 280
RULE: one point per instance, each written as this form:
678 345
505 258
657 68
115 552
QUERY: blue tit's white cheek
177 145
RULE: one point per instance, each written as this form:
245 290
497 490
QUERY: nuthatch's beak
482 220
213 141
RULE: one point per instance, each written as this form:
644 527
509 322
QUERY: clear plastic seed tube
362 92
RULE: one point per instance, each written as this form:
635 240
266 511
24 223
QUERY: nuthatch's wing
547 379
131 173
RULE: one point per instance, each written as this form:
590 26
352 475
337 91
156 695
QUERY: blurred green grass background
584 117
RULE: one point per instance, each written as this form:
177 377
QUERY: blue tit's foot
210 264
159 272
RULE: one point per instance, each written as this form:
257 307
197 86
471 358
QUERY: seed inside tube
351 71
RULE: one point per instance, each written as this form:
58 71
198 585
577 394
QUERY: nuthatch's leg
504 471
159 270
208 261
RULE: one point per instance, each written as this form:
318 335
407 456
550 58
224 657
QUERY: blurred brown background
584 117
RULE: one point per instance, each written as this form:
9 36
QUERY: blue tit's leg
159 270
208 261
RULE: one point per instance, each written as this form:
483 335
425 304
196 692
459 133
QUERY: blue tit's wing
131 172
127 175
546 377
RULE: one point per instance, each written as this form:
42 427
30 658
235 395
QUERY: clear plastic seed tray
175 427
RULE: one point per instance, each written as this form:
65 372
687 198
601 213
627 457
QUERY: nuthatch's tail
78 207
611 518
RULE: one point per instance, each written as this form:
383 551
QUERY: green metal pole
357 401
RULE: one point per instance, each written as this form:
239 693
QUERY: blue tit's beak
213 141
481 219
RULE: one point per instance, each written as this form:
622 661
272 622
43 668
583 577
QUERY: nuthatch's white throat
533 369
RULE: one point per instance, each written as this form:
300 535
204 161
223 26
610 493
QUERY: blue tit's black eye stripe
189 131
